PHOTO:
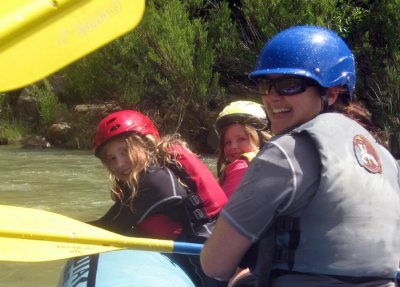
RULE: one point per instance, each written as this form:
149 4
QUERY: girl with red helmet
160 188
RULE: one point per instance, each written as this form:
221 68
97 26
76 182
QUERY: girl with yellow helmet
242 129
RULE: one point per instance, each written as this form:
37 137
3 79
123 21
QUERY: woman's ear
333 94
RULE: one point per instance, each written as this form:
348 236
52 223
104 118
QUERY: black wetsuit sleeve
116 219
159 193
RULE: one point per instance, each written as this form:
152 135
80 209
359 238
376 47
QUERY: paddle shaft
117 242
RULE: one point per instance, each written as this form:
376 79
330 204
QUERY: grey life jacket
352 225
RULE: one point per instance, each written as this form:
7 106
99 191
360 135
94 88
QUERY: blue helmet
309 51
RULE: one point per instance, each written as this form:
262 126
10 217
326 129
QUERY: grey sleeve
282 179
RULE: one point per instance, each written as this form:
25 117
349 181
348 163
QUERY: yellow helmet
244 112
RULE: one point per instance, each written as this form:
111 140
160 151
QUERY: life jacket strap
195 207
287 223
290 225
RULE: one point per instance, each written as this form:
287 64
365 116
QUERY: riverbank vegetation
188 58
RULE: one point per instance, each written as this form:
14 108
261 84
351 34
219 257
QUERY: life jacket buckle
199 214
194 200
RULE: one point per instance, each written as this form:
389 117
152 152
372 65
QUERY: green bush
187 59
47 101
12 131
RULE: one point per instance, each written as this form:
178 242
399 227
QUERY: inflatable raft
124 268
127 268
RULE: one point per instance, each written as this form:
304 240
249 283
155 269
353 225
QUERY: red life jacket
159 226
206 197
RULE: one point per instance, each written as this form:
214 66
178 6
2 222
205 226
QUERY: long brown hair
144 152
358 112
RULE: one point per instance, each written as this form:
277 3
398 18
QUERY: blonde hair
144 152
257 139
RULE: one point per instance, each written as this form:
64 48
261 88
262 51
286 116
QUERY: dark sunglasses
285 86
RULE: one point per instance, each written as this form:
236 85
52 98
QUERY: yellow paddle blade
25 250
39 37
36 235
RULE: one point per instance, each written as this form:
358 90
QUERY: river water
71 183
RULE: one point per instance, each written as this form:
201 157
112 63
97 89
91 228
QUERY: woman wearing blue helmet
320 204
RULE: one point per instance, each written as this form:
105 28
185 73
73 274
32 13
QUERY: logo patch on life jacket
366 154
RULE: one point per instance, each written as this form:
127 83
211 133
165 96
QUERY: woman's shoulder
288 147
288 140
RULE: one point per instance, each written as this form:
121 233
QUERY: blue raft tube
123 268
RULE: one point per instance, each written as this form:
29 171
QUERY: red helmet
121 122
